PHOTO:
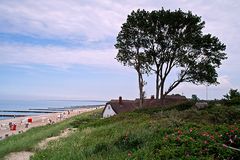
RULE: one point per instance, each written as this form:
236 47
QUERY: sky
58 49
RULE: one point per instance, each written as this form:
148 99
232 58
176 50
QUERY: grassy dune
27 141
178 132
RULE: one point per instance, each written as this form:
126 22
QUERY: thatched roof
125 106
120 105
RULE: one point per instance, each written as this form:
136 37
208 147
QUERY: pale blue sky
65 49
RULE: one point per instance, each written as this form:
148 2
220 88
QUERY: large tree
177 44
131 42
169 43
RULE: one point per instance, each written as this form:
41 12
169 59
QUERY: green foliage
101 147
195 98
163 40
129 142
157 133
28 140
131 42
232 94
232 98
184 106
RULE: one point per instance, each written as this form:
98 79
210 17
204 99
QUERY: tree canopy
232 94
131 43
170 42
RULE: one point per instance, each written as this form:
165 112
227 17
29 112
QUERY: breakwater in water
20 108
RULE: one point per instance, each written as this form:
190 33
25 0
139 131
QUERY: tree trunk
161 92
140 84
157 84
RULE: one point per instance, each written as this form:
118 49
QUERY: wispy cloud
56 56
67 33
95 24
62 19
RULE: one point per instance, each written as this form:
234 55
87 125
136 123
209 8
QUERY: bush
100 147
80 121
184 106
234 101
129 142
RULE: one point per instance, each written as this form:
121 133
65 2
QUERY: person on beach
10 125
50 121
59 116
26 125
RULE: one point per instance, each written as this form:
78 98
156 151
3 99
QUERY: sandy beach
38 120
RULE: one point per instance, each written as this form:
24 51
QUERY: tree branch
176 83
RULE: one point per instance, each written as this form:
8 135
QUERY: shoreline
39 120
40 111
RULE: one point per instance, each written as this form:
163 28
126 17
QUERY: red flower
190 130
179 132
205 142
205 134
212 137
177 139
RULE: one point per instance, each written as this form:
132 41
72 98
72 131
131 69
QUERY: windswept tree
169 43
178 46
131 44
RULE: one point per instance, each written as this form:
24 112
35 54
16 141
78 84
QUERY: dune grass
28 140
178 132
151 134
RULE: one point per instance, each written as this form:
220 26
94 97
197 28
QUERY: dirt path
19 155
25 155
38 121
43 144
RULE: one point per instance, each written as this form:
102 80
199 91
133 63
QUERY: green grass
27 141
178 132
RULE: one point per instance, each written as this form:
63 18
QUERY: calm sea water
41 104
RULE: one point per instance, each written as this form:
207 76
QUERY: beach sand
38 120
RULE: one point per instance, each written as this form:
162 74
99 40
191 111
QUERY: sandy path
43 144
39 120
24 155
19 156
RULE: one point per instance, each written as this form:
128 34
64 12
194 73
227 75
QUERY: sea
9 107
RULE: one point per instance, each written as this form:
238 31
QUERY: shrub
129 142
184 106
80 121
100 147
234 101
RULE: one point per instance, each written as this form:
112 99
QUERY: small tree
232 94
195 98
131 42
232 98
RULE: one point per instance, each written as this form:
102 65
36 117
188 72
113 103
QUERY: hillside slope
176 133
